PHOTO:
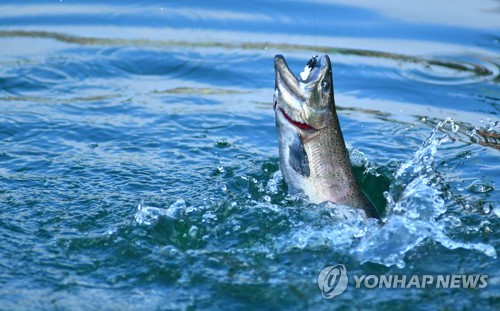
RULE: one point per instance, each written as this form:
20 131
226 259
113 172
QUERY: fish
312 153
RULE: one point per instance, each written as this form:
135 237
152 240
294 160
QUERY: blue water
139 158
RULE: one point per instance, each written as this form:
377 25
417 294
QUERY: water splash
148 215
415 203
265 219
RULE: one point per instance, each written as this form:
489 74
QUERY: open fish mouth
298 124
292 98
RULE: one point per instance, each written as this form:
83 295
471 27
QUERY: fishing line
314 22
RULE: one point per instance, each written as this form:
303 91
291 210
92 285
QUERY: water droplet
487 208
472 132
479 186
193 231
260 187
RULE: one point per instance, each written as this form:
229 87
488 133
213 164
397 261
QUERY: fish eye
325 85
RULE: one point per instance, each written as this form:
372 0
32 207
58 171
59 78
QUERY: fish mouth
292 93
300 125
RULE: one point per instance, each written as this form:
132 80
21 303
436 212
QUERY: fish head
306 103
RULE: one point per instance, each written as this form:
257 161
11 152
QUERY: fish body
313 155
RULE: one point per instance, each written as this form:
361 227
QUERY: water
139 161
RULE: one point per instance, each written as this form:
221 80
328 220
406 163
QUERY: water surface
139 161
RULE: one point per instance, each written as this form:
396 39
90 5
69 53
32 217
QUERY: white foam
149 215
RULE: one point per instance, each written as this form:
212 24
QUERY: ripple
449 72
433 71
198 91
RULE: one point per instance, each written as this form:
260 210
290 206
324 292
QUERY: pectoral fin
297 157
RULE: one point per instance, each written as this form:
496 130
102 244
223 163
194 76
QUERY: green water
139 157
